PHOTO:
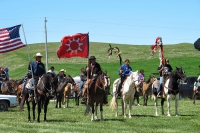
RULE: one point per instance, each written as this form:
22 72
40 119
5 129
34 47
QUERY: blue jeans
160 85
81 85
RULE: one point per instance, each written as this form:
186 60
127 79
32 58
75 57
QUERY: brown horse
18 89
67 92
147 89
77 93
7 87
60 88
96 95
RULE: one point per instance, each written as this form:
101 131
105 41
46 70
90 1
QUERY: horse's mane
99 82
149 79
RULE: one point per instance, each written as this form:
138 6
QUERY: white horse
171 89
128 92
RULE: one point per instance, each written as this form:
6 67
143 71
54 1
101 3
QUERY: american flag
10 39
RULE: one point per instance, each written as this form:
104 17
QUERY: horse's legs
168 104
28 107
116 114
162 105
122 102
56 101
125 106
130 107
96 108
194 96
101 110
45 108
39 108
33 108
156 103
68 101
92 116
176 104
59 101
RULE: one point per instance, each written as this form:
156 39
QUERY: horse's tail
113 102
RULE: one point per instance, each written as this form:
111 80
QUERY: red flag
73 46
10 39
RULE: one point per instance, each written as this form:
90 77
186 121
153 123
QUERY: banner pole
29 61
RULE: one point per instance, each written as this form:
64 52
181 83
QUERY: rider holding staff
93 70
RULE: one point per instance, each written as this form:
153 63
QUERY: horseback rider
52 71
61 75
6 73
2 78
124 71
38 70
93 70
164 71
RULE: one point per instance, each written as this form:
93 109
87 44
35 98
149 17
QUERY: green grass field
72 119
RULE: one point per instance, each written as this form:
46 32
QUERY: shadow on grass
71 121
116 119
187 115
137 115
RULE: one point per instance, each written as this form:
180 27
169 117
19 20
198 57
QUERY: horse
25 97
67 92
59 89
171 88
147 88
96 95
77 93
196 89
44 93
18 89
7 87
128 91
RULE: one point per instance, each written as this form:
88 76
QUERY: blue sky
111 21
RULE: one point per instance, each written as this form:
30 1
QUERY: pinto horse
171 88
147 88
96 95
128 91
196 89
44 91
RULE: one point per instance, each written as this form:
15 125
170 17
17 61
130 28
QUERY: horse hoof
168 115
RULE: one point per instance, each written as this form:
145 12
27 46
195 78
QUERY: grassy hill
182 54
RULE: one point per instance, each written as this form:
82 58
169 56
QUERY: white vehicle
7 101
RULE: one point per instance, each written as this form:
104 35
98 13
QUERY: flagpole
46 48
29 60
88 70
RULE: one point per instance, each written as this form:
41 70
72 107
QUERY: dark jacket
38 68
94 70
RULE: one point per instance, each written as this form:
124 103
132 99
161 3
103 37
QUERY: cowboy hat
92 58
38 55
62 70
